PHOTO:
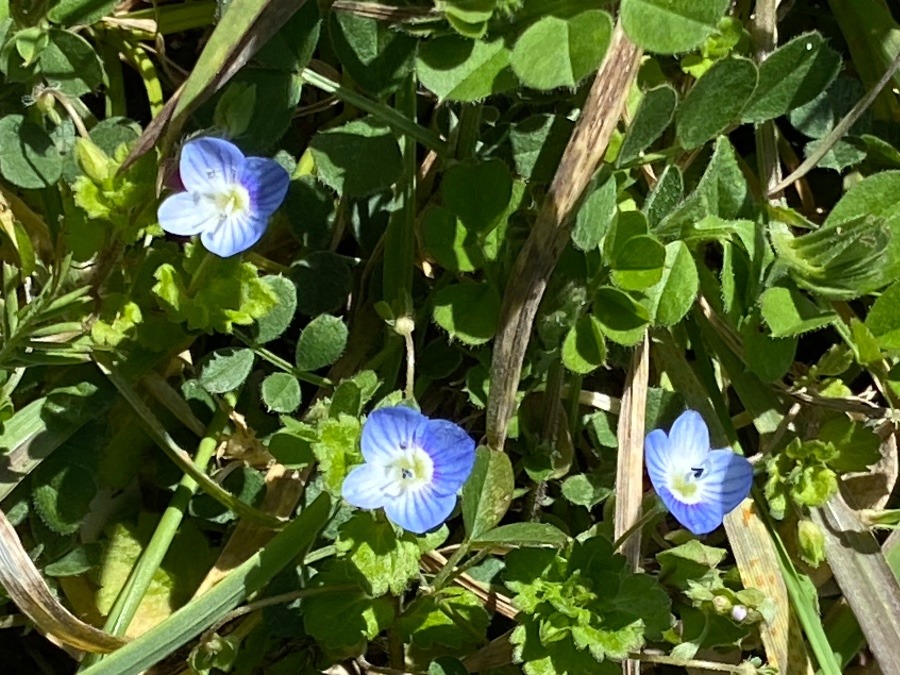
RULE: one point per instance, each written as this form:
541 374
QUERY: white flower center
233 200
687 486
411 470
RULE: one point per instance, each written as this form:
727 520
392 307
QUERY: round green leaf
638 263
29 158
477 193
457 69
281 392
226 369
70 63
560 52
469 311
716 101
451 244
671 26
622 318
357 159
321 343
584 349
276 321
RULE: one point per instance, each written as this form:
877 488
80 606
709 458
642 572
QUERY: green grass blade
188 622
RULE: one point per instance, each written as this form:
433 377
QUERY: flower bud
92 160
811 542
739 613
404 325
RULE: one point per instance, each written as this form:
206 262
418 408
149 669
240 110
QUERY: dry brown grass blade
630 464
758 565
28 590
493 602
532 269
283 490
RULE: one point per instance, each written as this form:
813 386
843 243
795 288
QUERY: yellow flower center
235 199
686 487
411 470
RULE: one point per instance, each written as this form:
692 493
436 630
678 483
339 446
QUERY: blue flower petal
209 165
420 510
234 235
387 430
700 518
266 182
728 479
187 213
657 454
689 440
452 453
364 487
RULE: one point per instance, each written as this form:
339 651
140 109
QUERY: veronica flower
228 199
699 486
414 467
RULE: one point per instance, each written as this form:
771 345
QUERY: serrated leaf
558 51
321 343
281 392
469 312
455 618
787 312
77 561
715 102
337 449
584 348
387 562
357 159
857 446
791 76
670 26
883 319
274 322
226 369
457 69
70 63
488 491
62 493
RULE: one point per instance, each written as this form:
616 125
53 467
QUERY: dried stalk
548 237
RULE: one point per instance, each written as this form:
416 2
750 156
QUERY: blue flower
414 467
699 486
229 197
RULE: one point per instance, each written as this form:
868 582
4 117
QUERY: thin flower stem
200 274
443 577
392 117
281 363
410 365
662 659
638 525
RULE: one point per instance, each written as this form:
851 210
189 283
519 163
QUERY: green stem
201 272
281 363
441 578
638 525
393 118
467 131
129 599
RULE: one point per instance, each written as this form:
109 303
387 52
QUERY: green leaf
293 446
586 489
371 545
671 298
767 356
62 492
715 102
558 51
857 446
337 450
638 263
453 619
477 193
454 246
80 12
457 69
488 491
690 563
523 534
321 343
622 318
322 280
665 196
653 115
77 561
274 322
595 215
883 319
810 542
469 312
344 620
469 17
447 665
670 26
788 312
791 76
374 54
29 158
70 63
538 143
357 159
584 349
281 392
226 369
